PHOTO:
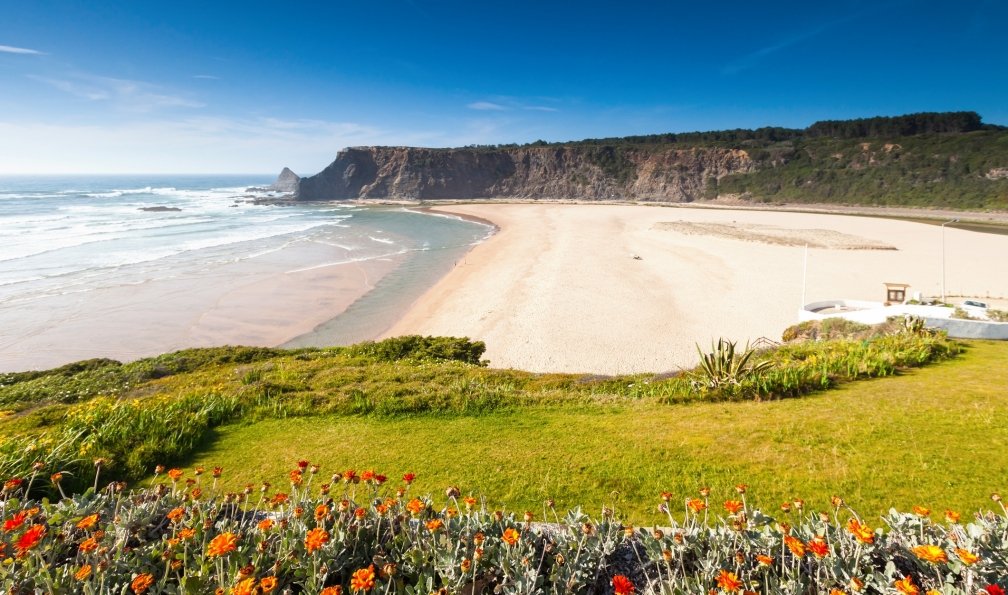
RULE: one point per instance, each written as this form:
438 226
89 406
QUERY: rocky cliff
554 172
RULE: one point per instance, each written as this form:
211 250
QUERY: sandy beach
620 289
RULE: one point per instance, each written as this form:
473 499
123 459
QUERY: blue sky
215 87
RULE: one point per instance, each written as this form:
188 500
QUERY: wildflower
785 507
56 477
174 474
314 469
933 592
921 511
30 539
733 506
764 560
795 545
408 478
175 515
363 579
88 522
302 465
728 581
705 491
861 531
478 538
142 582
658 534
222 545
268 584
951 516
217 472
350 476
367 476
158 469
696 505
265 524
245 587
295 477
343 505
321 512
968 558
360 513
836 501
315 539
994 590
388 570
906 586
14 523
333 590
83 572
434 525
196 493
666 496
588 529
741 488
856 584
12 484
415 506
666 555
819 547
465 566
88 545
930 553
510 536
799 504
187 533
622 585
528 516
279 499
469 502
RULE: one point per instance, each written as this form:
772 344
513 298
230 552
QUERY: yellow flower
967 556
930 553
906 586
861 531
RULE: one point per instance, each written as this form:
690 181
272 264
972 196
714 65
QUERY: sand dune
559 287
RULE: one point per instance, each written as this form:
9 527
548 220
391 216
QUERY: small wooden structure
895 293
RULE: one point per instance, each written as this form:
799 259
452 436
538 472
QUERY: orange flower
819 547
142 582
465 566
187 533
295 477
88 545
279 498
268 584
83 572
728 581
245 587
795 545
921 511
265 524
510 536
951 516
222 545
334 590
764 560
30 539
622 585
176 514
862 532
906 586
360 512
315 539
469 502
174 474
696 505
930 553
434 525
88 522
415 506
967 556
321 512
733 506
367 475
363 579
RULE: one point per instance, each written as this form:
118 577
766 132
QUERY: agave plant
726 366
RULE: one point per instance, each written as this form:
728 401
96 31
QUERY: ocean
82 236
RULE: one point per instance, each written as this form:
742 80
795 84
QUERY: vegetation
356 535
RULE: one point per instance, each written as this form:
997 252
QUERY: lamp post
943 255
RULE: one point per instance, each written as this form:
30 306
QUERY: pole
943 256
804 277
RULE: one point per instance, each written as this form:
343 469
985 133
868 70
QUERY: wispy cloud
136 96
9 49
487 106
208 77
540 108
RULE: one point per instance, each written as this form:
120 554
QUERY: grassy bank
931 436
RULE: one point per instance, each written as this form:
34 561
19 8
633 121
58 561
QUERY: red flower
622 585
409 477
15 521
994 590
30 539
302 465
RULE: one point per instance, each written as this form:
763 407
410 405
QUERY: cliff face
586 173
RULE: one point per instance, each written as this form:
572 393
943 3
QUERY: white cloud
128 95
8 49
486 106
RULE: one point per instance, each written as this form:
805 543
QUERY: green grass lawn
934 436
